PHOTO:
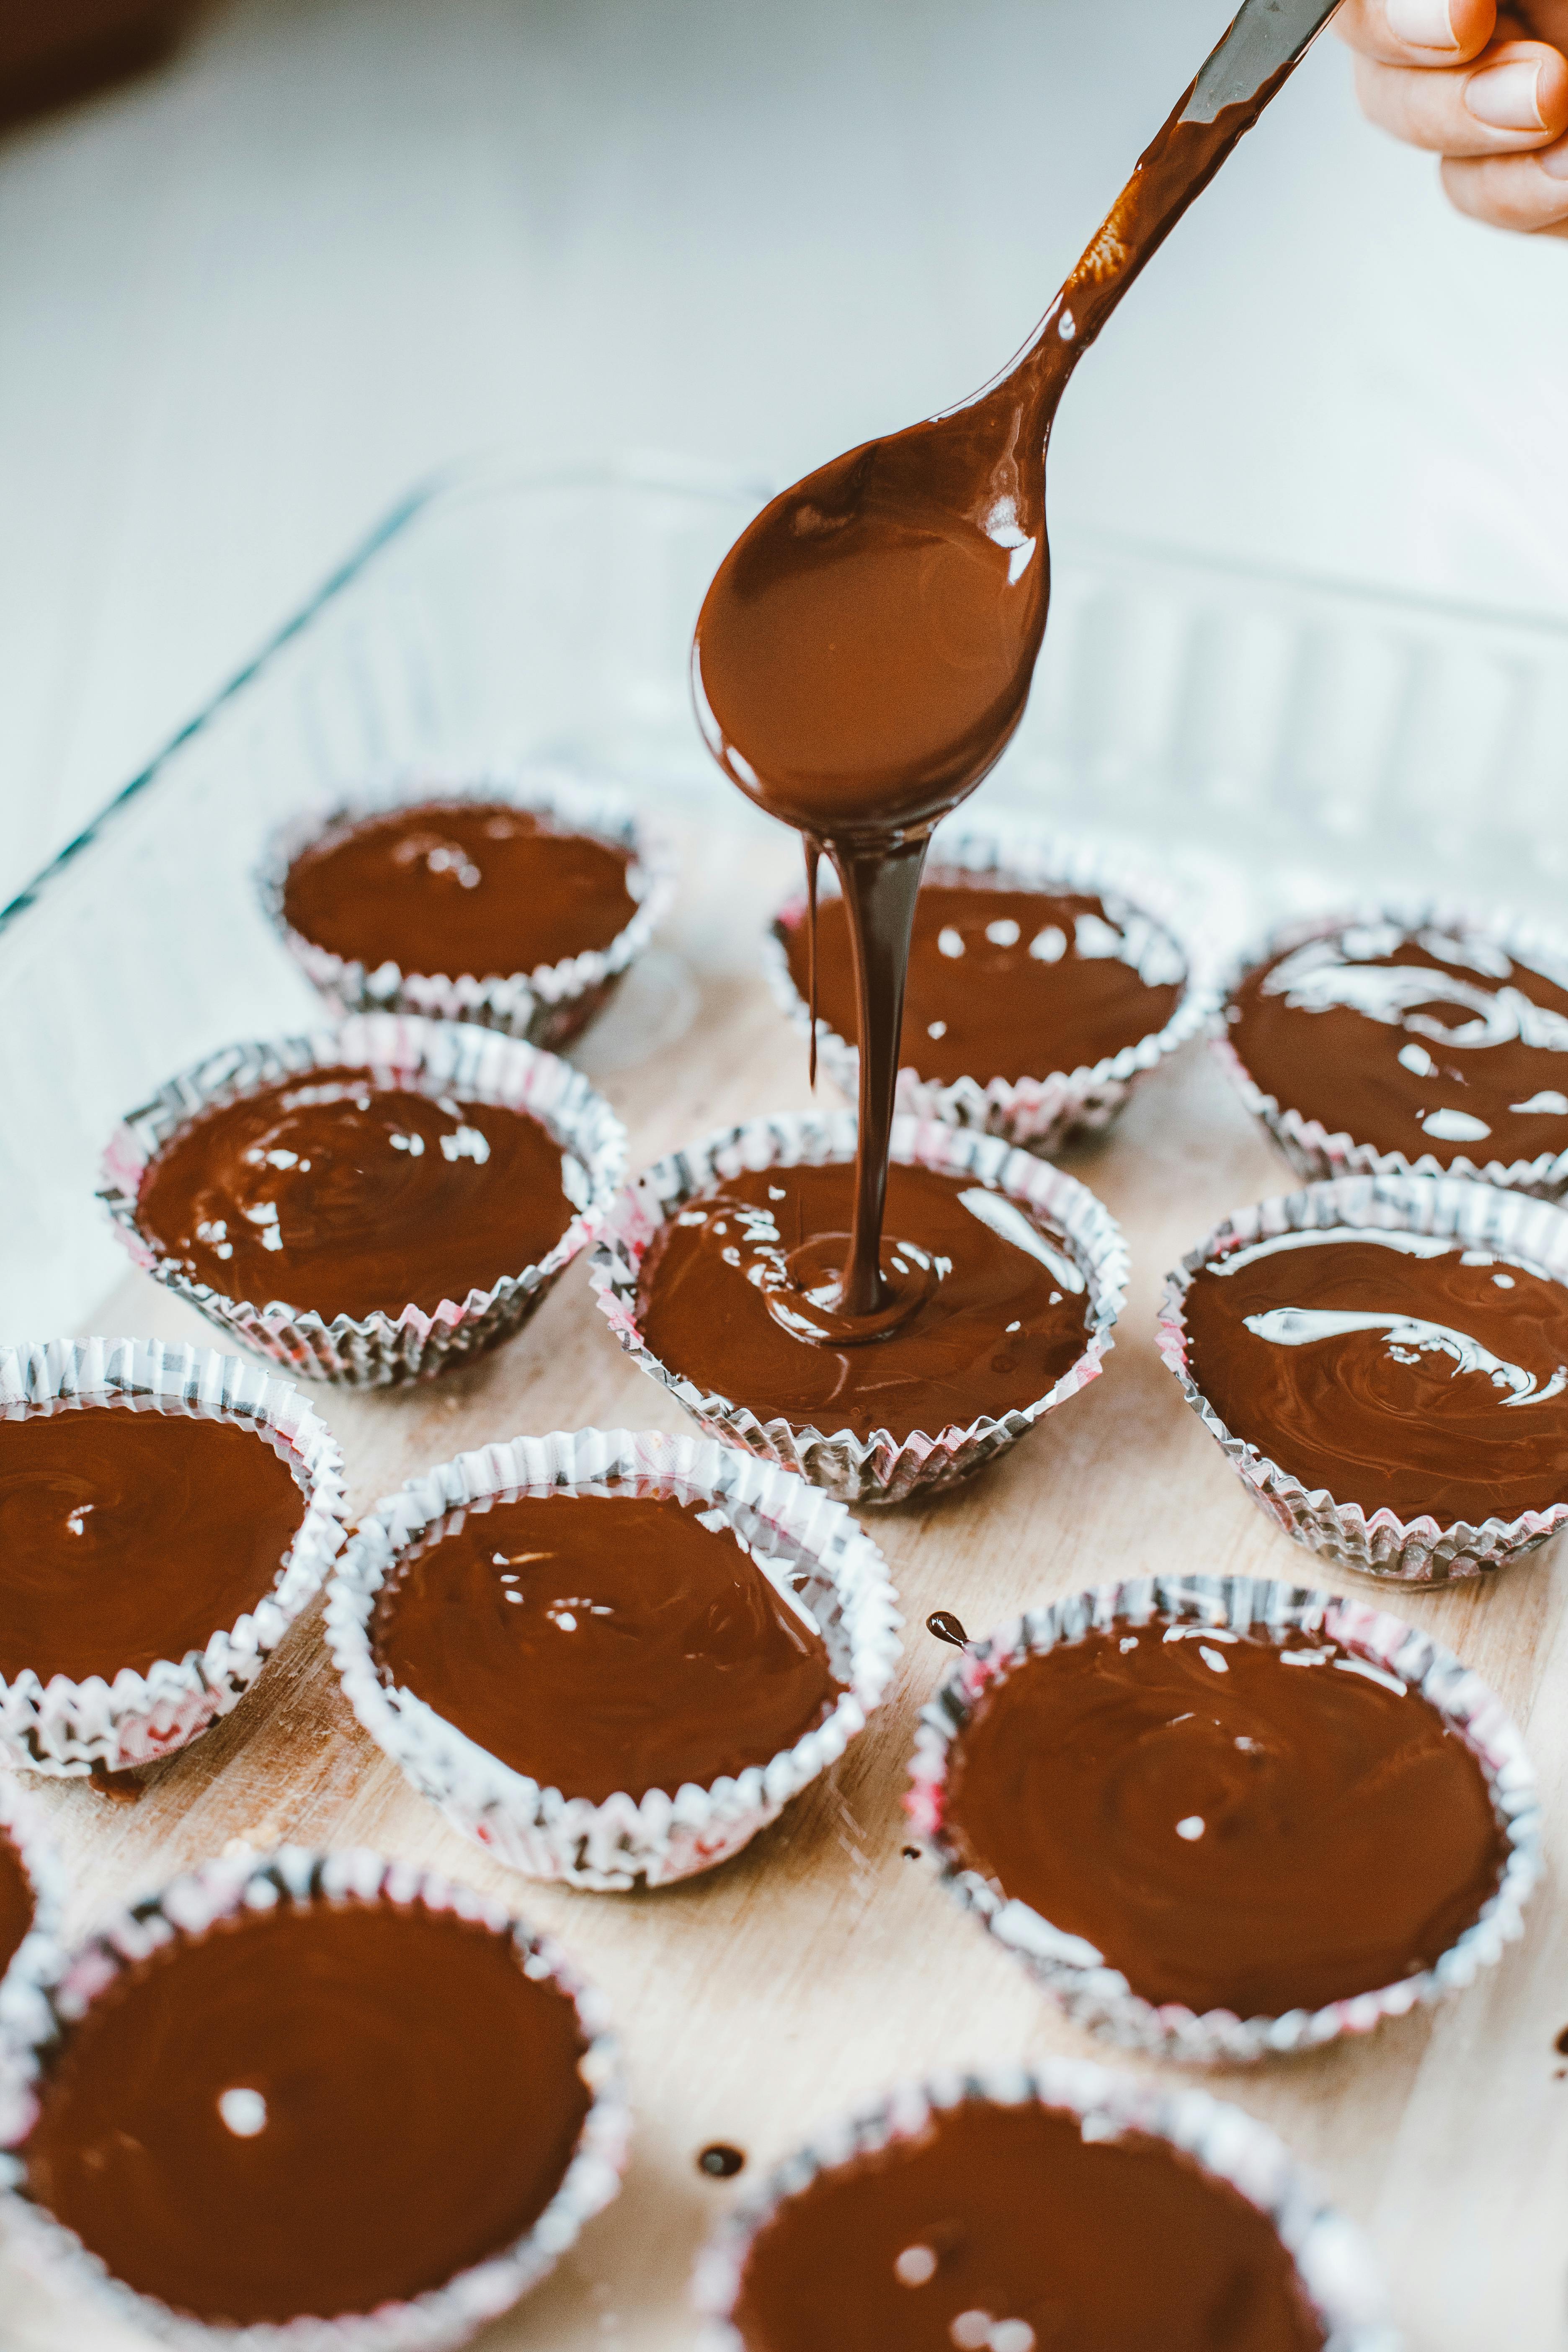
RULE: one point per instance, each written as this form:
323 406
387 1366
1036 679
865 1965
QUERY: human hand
1483 87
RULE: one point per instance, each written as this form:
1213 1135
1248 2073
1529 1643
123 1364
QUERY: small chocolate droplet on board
119 1788
946 1627
911 1853
719 2162
1562 2043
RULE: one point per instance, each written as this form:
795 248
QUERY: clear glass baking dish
1279 741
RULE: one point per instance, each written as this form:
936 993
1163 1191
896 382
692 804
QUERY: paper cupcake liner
546 1007
66 1989
433 1057
1097 1995
1037 1114
885 1467
1481 1216
1306 1143
808 1542
22 1825
1332 2261
62 1727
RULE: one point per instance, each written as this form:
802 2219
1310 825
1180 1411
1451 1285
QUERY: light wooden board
823 1965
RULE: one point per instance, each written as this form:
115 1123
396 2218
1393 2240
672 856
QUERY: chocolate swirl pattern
1400 1371
1233 1822
349 1197
1432 1041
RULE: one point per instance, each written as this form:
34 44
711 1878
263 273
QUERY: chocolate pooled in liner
986 1308
1233 1822
1432 1042
459 888
345 1196
129 1536
316 2110
1002 2226
1401 1371
602 1644
1004 980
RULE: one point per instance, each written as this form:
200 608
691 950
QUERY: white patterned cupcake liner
1037 1114
1382 1545
1316 1154
23 1827
546 1007
65 1987
65 1729
887 1466
803 1541
1087 1987
1332 2261
433 1058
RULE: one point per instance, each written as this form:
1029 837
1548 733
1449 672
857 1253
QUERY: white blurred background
246 299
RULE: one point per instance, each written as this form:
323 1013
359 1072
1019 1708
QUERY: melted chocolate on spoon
1234 1824
126 1537
599 1644
315 2109
1402 1371
865 648
1009 2227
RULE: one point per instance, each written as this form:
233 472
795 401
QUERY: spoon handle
1267 35
1256 58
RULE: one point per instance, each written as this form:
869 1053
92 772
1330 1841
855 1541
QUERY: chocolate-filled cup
1135 923
1409 1546
1292 2262
883 1466
123 1714
219 1902
431 1059
811 1547
552 1003
1400 1090
1088 1985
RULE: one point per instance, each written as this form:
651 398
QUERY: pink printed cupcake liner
1037 1114
23 1828
546 1007
1079 1978
433 1057
1332 2261
65 1987
1313 1150
887 1466
65 1729
1385 1546
805 1542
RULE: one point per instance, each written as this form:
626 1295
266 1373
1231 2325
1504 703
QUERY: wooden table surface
822 1965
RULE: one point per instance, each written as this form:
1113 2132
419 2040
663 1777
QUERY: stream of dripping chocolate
865 651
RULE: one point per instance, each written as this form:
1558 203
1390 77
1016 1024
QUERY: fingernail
1554 160
1504 97
1425 23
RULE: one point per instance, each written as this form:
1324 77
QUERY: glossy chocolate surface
1400 1371
1435 1043
1003 982
1007 2215
1231 1823
599 1644
475 887
126 1537
15 1902
988 1307
314 2109
866 649
337 1193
